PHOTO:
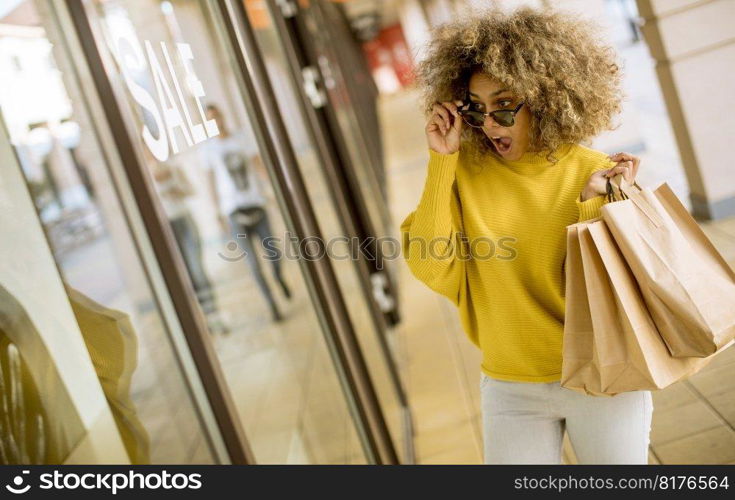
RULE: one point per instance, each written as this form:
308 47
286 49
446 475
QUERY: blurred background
148 147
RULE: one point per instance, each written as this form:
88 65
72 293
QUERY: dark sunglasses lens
474 118
504 118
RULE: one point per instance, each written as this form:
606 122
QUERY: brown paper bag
579 368
611 344
631 354
687 286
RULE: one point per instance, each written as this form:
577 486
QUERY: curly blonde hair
551 60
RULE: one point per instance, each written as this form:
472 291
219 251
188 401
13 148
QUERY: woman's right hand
444 127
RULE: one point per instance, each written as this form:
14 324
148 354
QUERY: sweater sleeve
432 233
590 208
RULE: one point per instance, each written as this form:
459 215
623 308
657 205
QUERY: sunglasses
503 117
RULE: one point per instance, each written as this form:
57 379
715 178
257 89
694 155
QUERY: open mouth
502 144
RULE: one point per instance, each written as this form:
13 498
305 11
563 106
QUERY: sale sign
168 104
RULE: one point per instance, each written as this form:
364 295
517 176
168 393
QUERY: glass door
108 283
299 101
324 34
202 160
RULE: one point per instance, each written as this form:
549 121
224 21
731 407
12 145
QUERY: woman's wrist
587 193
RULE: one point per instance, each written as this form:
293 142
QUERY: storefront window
174 81
106 283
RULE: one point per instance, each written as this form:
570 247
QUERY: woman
510 99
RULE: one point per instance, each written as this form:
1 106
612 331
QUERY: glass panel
324 33
353 117
51 403
105 280
175 82
329 222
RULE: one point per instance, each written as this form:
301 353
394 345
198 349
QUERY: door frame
286 25
280 159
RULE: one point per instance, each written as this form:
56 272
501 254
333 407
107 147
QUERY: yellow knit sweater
494 243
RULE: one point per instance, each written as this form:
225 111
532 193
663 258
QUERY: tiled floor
694 420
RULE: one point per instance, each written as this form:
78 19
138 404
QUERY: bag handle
623 186
630 191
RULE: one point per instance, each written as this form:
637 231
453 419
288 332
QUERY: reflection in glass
174 80
94 249
113 347
330 49
342 251
236 179
38 421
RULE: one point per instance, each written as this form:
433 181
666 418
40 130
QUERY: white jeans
524 423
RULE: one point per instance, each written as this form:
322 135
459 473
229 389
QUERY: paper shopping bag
687 286
631 355
579 369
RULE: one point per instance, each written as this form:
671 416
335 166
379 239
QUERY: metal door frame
280 159
365 217
285 22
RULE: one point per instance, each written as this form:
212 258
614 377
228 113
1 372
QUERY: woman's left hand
627 164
